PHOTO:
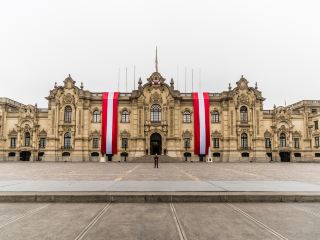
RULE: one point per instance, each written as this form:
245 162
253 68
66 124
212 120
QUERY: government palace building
158 119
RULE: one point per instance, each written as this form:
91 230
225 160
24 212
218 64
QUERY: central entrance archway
25 156
285 156
155 144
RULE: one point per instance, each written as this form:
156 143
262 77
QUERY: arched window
215 117
283 141
67 140
155 113
243 114
27 139
96 116
187 117
125 116
244 140
67 114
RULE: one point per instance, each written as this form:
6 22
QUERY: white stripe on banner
109 123
202 124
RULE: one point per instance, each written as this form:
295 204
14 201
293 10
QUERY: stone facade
158 118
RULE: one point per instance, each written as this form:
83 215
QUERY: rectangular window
187 142
215 142
316 125
268 143
313 110
42 143
13 142
296 142
316 142
95 143
124 143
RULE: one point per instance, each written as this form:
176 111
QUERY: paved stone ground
303 172
199 221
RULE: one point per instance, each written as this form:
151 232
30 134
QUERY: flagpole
199 79
118 79
178 77
126 79
185 79
192 80
134 77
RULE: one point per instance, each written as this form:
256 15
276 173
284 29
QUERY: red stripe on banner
104 122
115 124
207 119
196 123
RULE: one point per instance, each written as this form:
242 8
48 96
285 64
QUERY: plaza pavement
172 182
51 217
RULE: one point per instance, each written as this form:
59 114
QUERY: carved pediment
186 134
124 134
13 133
267 134
242 83
156 79
216 134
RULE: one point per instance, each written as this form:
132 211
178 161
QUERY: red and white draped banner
201 123
109 122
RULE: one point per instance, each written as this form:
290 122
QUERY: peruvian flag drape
201 123
109 122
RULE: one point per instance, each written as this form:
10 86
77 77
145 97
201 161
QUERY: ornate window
187 117
155 113
96 116
13 142
296 142
244 140
124 143
125 116
67 114
215 117
95 142
187 142
316 125
244 114
27 139
316 142
215 142
283 140
67 140
267 142
42 142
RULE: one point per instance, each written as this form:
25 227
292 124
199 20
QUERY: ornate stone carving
68 99
156 98
186 134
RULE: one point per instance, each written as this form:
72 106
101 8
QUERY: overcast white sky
273 42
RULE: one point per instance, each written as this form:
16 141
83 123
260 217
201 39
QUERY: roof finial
256 86
156 59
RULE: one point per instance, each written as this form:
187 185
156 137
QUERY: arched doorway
285 156
155 144
25 156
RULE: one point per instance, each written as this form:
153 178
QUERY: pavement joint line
181 232
239 171
217 186
257 222
93 221
188 174
305 210
28 213
126 173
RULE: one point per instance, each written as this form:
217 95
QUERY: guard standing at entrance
156 161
